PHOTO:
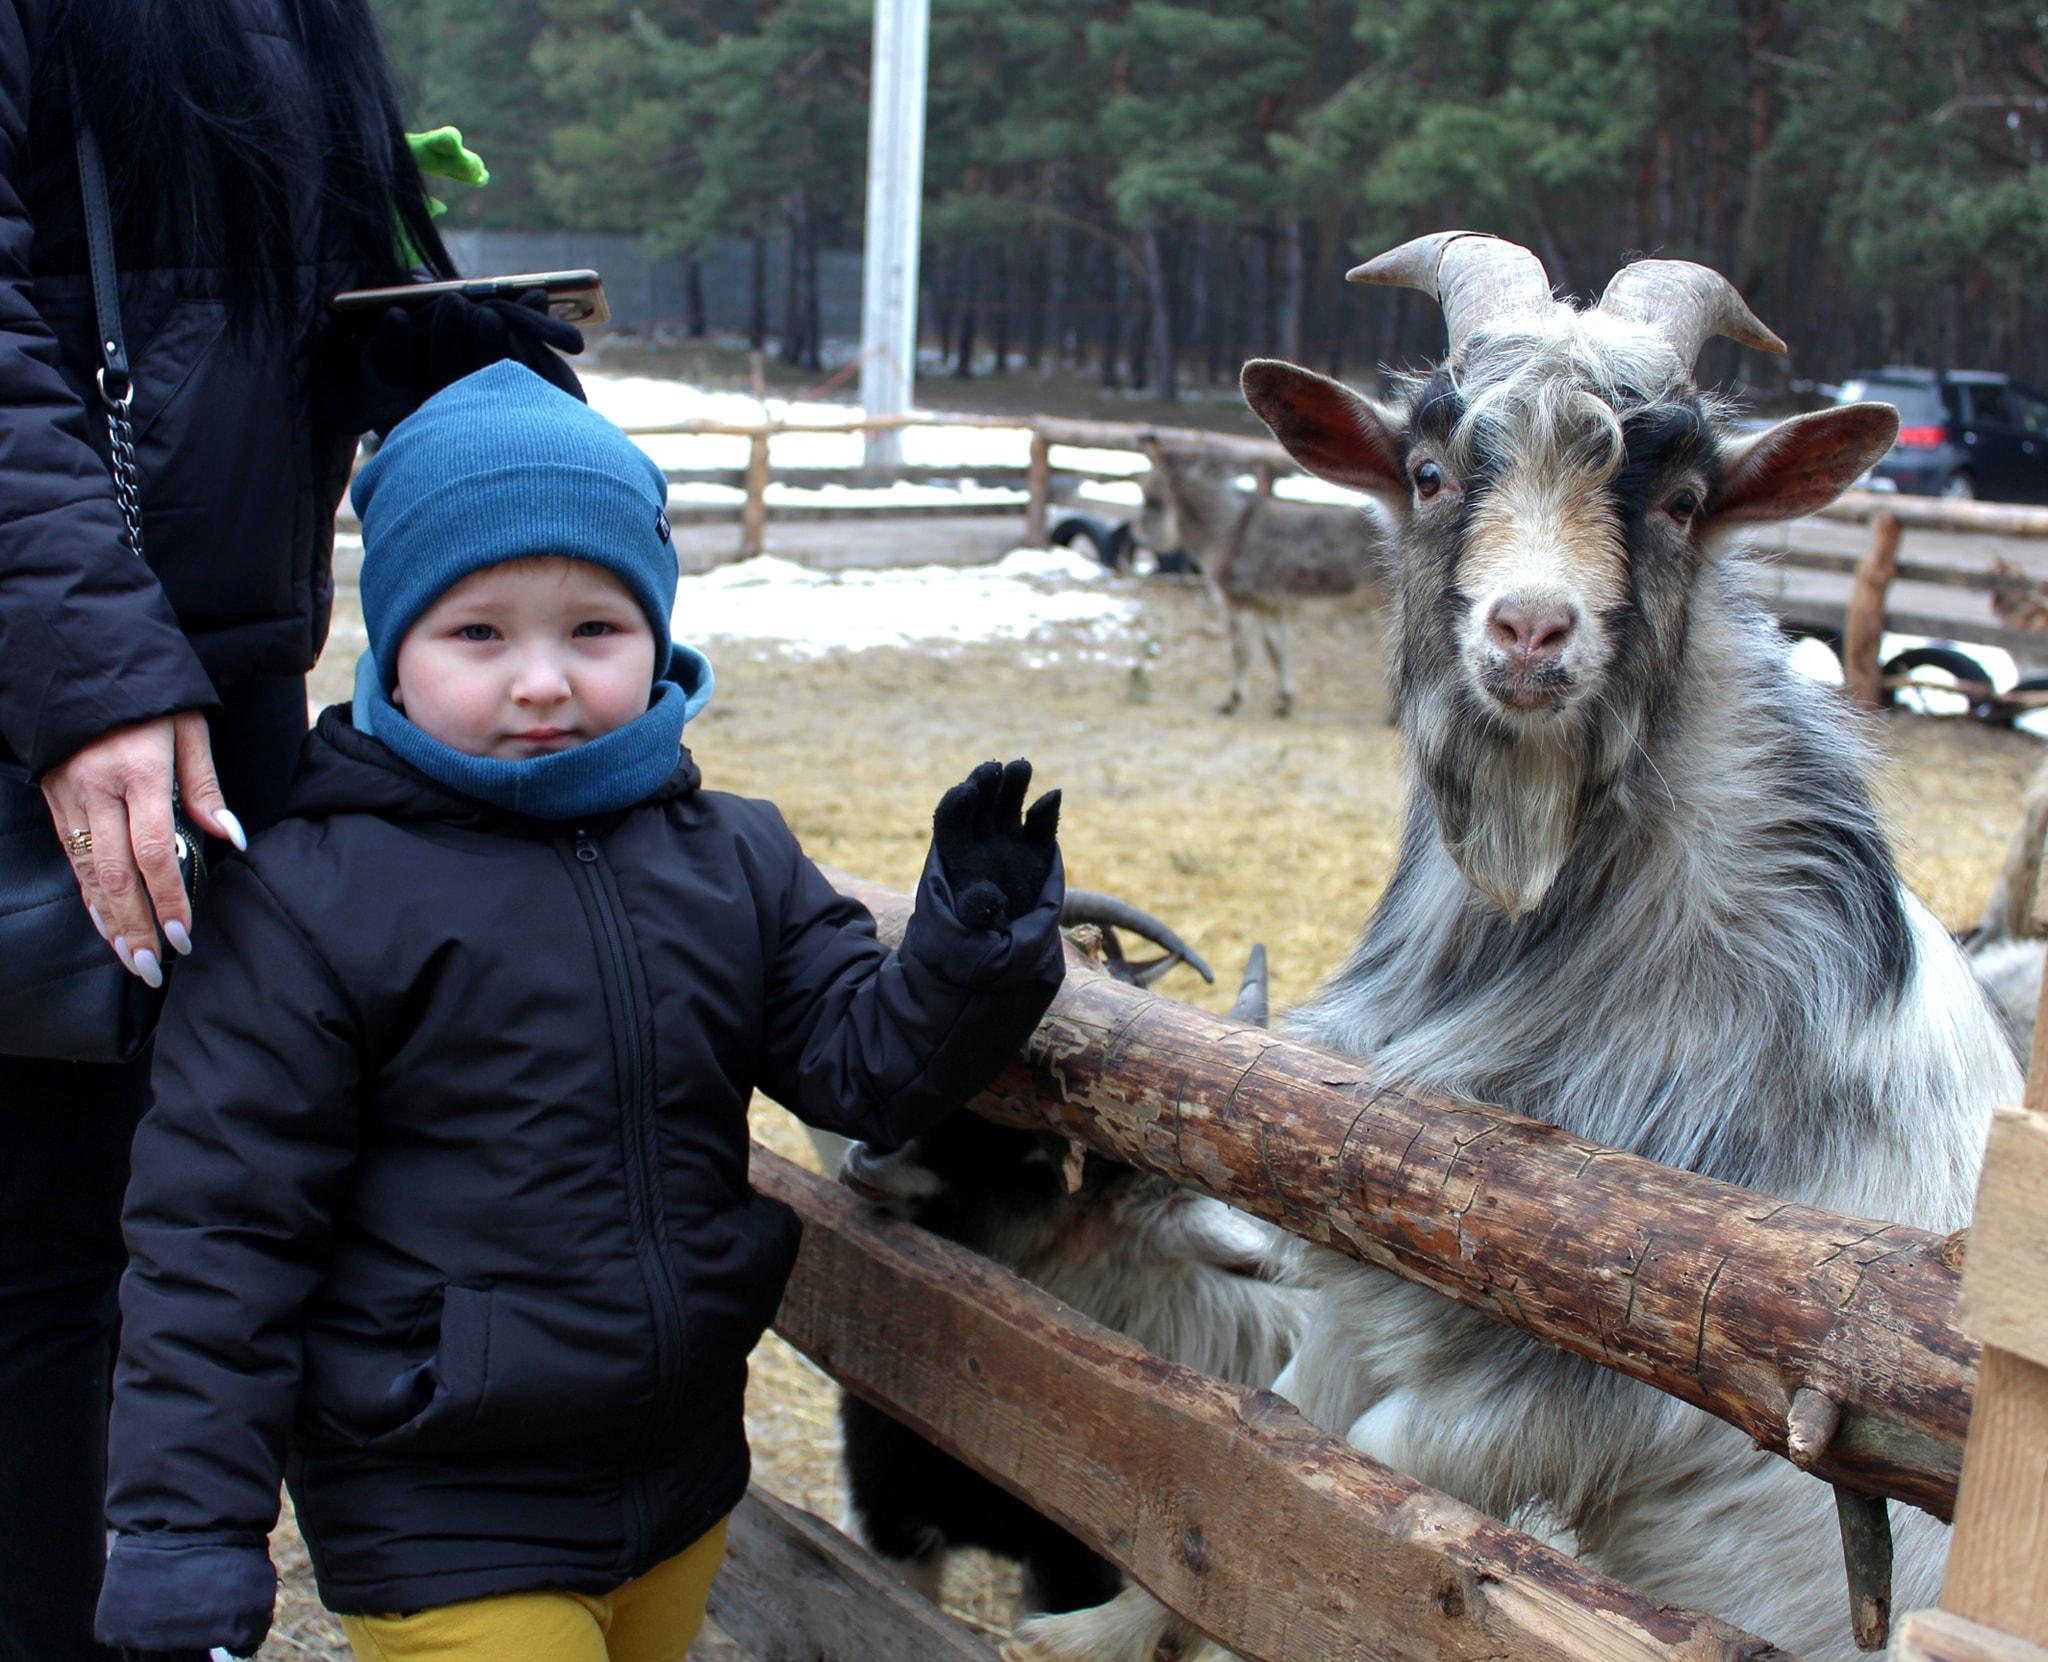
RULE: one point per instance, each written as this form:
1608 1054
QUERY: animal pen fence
1849 1346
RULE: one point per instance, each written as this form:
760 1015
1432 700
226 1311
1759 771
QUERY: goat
1642 893
1176 1271
1259 553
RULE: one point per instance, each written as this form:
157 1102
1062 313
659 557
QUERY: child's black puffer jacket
445 1189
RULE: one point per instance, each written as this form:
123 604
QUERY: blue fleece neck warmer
602 776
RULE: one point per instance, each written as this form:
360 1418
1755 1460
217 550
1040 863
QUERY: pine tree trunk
1006 265
1258 340
693 297
1038 303
1294 281
793 293
814 314
963 360
942 274
757 316
1163 380
1112 316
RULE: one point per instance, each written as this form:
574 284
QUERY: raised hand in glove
996 865
375 379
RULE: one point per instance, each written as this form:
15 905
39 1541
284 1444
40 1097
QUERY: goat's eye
1429 479
1684 507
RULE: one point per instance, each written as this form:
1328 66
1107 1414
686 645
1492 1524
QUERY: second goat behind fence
1174 1270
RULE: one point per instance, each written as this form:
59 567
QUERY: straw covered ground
1234 831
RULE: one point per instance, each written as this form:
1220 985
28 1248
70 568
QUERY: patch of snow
807 614
644 401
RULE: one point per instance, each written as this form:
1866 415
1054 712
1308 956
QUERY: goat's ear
1326 427
1801 465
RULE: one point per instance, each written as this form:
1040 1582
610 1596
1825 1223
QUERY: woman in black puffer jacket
256 164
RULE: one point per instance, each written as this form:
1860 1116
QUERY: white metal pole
895 207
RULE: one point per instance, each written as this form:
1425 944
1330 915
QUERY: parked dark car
1962 432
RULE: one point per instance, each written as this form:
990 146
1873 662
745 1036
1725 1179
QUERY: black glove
997 867
128 1654
373 380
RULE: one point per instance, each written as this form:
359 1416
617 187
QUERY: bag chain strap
121 449
117 387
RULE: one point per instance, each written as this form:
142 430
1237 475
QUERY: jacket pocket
516 1369
732 1303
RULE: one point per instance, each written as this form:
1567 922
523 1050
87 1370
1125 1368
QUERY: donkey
1259 553
1642 893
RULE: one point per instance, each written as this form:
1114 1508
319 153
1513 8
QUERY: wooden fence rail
1283 1543
1830 1340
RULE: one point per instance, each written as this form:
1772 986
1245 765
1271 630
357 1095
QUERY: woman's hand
117 790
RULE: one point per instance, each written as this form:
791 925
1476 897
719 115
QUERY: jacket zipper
642 1157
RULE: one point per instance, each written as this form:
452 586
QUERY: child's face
526 658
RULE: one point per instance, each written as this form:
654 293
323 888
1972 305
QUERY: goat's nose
1531 634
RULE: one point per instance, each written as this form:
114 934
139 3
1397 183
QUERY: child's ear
397 696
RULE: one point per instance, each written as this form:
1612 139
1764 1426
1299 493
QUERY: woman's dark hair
210 148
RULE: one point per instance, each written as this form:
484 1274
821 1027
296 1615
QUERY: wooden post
754 516
793 1589
1998 1560
1863 630
1936 1636
1039 483
1998 1563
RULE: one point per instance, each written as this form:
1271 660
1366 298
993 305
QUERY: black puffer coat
446 1188
239 480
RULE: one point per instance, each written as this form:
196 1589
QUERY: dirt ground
1234 831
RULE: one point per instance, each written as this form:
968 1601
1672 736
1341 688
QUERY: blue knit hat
502 466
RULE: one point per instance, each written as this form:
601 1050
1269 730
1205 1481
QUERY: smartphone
573 296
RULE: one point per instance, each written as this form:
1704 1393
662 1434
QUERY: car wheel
1960 486
2006 709
1108 543
1935 669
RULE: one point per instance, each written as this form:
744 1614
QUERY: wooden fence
1834 1341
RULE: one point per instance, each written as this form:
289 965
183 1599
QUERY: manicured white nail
180 938
121 952
148 968
98 922
233 827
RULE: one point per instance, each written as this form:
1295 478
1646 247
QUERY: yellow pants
653 1618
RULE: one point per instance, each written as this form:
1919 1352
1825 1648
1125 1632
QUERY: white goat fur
1683 971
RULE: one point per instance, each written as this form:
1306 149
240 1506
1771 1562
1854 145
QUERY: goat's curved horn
1107 912
1474 276
1687 304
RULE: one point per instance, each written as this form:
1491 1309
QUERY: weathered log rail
1282 1542
1746 1306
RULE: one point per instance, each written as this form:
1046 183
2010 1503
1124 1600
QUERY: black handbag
63 993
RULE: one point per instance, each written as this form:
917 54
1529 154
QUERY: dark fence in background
645 289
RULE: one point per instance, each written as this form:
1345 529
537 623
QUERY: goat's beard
1511 802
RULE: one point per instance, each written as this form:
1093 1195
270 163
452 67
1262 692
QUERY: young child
442 1210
